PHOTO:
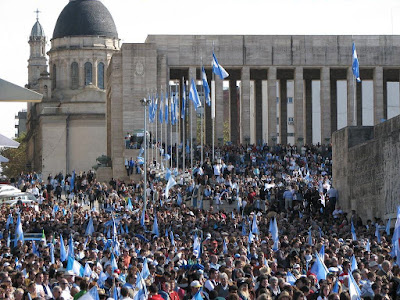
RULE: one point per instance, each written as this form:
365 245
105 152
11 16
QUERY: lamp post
145 102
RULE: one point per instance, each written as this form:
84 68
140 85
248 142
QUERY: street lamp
145 102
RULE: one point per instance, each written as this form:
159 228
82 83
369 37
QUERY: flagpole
213 114
177 123
213 106
191 137
156 121
170 110
354 102
166 124
202 117
184 126
161 128
152 130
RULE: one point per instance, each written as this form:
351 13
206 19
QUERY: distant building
20 126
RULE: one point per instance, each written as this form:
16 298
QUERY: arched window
54 77
74 76
88 73
100 76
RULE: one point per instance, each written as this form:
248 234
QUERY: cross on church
37 11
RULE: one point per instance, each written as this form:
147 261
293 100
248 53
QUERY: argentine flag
194 95
218 69
206 86
355 65
75 267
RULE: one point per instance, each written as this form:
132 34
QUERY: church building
67 130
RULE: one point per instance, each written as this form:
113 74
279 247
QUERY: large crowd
213 237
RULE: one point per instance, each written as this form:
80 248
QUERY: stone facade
281 89
365 169
67 131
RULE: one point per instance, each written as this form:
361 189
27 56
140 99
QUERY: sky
135 19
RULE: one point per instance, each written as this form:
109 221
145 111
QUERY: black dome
83 18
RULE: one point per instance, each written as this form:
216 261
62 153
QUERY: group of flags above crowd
171 104
168 107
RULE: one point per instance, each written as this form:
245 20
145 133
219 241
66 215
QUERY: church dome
37 30
85 18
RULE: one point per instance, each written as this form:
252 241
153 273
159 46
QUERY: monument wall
366 169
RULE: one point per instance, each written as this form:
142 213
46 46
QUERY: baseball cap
196 284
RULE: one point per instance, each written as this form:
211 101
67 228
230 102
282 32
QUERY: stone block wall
366 169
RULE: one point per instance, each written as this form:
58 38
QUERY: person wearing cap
195 286
243 289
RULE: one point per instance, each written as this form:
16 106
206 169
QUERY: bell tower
37 62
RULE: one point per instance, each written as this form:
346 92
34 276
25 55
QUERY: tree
17 158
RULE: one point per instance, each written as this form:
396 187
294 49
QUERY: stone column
351 103
94 75
272 105
283 120
245 105
234 112
219 111
299 133
192 111
325 106
308 111
379 112
160 86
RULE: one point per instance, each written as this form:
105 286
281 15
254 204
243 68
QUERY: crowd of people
213 237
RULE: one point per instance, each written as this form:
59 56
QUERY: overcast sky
135 19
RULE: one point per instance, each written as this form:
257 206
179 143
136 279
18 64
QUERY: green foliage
17 158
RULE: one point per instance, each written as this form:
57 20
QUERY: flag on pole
290 278
92 294
160 112
388 226
183 99
140 291
63 253
155 226
206 86
322 252
19 233
254 226
355 65
89 228
377 233
72 183
171 182
145 270
224 247
354 265
196 246
114 264
396 237
130 206
71 246
354 290
194 95
87 271
310 241
353 232
52 259
171 234
368 246
218 69
74 266
166 114
319 268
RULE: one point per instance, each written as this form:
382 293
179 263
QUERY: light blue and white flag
183 99
171 182
218 69
19 233
89 228
355 65
206 86
194 95
92 294
74 266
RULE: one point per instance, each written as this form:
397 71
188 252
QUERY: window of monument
74 76
54 77
88 73
100 76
